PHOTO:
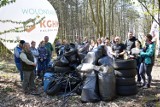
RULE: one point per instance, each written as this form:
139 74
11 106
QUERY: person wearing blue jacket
17 52
42 59
148 61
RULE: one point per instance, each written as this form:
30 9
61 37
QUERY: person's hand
128 52
131 56
34 64
117 55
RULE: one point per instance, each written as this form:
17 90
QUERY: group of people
132 49
31 61
144 56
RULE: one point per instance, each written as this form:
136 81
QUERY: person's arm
112 52
24 59
122 53
148 53
16 52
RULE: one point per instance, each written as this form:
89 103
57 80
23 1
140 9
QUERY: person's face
43 44
46 38
146 39
99 41
107 42
130 35
137 44
33 44
92 42
27 47
117 40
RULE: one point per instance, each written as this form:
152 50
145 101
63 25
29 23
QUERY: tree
144 4
6 2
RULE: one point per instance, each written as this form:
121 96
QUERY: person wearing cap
17 51
49 47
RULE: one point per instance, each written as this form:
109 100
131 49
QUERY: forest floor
11 94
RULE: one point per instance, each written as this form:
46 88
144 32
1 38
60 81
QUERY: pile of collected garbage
93 75
62 77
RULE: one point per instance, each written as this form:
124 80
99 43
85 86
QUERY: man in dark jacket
49 47
130 42
28 67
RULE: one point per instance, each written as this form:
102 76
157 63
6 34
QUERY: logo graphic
45 25
29 25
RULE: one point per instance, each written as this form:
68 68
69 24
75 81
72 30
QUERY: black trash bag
74 65
81 56
73 58
84 48
70 52
73 45
62 62
107 83
90 58
70 49
93 56
105 61
87 67
54 87
90 89
61 51
102 49
58 69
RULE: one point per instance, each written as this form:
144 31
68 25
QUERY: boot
146 86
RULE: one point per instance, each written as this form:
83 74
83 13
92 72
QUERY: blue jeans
146 69
19 67
138 73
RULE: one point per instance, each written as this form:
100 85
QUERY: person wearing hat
17 51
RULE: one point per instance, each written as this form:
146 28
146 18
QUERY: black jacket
26 67
130 43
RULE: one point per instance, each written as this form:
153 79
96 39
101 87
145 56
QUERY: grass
7 67
8 89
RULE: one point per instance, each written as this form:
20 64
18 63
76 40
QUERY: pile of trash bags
99 83
93 73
